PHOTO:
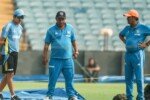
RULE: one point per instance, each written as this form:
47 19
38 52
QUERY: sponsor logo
10 69
138 64
15 37
56 33
137 34
50 66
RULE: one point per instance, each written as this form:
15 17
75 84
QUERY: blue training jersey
134 36
12 33
61 41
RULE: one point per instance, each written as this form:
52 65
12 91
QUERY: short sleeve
147 31
123 32
48 37
5 31
73 37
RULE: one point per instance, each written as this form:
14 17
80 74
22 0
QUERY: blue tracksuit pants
56 66
134 63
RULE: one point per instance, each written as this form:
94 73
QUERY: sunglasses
20 17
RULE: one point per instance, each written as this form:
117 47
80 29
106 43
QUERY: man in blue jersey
134 35
61 36
10 36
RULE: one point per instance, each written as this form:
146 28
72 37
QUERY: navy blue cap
61 14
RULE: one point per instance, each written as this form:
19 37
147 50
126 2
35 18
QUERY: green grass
91 91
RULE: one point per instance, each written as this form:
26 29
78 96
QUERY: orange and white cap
132 13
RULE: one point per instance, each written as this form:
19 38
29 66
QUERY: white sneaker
73 98
48 98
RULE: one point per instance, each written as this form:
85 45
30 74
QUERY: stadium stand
6 11
87 16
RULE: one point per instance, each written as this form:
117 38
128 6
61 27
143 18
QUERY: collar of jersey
138 24
59 28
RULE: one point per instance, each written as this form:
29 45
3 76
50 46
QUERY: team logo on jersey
137 33
68 34
57 35
14 31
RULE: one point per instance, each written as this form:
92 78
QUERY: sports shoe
73 98
15 98
48 98
1 97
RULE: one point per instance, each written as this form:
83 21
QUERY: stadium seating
6 11
87 16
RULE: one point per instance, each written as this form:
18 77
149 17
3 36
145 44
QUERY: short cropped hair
147 92
120 97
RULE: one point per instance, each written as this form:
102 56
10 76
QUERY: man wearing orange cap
134 35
